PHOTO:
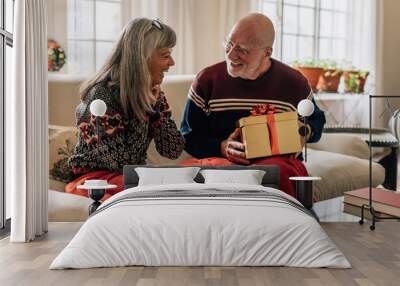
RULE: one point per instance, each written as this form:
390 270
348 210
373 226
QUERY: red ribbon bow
263 109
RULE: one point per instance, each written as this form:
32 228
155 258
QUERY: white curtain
26 131
362 35
363 32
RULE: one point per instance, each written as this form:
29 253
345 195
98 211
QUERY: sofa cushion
68 207
62 140
347 144
56 185
340 173
176 88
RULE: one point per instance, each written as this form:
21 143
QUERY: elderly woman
137 110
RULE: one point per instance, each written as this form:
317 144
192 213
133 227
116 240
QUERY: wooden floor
374 255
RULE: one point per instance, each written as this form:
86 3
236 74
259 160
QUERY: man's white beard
230 72
241 74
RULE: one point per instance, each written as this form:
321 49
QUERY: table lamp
96 188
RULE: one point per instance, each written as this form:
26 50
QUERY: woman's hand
160 104
156 92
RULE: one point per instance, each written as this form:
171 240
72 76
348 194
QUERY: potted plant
329 80
354 81
311 70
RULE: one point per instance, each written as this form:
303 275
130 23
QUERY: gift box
271 134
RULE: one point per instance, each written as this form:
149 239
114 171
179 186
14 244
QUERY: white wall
389 47
388 53
207 42
57 22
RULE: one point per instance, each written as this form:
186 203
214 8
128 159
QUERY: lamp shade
305 107
98 107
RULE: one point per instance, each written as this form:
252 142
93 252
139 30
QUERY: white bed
203 225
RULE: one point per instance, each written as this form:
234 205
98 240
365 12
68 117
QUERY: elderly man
225 92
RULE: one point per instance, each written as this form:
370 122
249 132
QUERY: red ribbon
273 134
269 110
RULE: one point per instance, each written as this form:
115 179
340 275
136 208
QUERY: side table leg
93 207
96 195
304 193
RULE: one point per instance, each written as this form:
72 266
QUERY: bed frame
270 179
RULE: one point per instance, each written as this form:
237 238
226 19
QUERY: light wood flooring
374 255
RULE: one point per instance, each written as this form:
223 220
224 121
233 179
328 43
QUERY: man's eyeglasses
228 45
157 23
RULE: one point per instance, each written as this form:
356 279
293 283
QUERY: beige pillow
347 144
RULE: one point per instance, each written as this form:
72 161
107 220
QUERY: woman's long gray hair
128 64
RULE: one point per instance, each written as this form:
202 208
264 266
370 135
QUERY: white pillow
164 176
248 177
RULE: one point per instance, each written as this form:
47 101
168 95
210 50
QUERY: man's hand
233 150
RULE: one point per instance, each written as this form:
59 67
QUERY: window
314 29
92 28
6 43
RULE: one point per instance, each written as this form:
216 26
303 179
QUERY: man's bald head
249 46
258 28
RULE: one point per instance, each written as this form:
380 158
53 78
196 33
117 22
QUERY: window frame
6 39
125 8
280 33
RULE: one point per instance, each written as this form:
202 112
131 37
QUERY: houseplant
311 70
354 81
329 79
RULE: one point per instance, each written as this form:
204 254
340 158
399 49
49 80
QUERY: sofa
340 159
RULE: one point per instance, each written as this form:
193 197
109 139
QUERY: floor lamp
305 108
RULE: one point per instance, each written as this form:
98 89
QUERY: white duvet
183 231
